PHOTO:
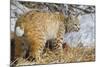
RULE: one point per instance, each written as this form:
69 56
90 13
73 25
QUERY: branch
84 10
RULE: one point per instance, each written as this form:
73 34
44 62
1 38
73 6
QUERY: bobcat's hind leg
36 49
18 48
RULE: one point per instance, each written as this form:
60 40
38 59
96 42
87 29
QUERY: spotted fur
35 28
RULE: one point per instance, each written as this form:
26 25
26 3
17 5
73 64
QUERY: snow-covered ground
86 35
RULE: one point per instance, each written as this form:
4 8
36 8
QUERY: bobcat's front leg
59 39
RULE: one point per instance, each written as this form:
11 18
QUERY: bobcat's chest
52 30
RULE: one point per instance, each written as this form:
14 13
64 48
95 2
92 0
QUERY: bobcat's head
72 24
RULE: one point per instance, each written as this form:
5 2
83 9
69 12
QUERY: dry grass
71 54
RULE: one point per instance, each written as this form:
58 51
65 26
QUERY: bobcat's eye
75 24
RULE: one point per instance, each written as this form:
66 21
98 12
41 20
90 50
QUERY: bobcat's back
47 23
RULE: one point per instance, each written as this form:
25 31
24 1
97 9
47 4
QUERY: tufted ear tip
78 15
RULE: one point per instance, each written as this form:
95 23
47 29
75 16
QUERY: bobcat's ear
65 19
69 17
78 15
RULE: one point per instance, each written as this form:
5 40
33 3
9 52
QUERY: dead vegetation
72 54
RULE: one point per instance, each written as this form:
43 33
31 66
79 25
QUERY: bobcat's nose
78 28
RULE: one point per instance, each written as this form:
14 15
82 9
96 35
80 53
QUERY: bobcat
35 28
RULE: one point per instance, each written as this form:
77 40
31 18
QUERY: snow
12 23
19 31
